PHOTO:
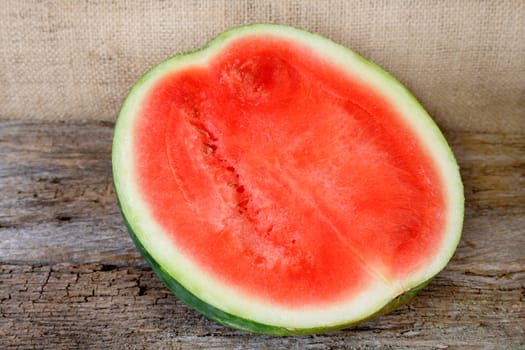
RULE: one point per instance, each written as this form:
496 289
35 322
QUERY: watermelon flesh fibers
287 179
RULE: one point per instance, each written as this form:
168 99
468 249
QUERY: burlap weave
465 60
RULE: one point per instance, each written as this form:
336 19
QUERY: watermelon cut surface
279 183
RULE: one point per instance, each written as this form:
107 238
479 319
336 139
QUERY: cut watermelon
280 183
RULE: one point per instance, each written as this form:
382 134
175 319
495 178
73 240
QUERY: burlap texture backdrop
465 60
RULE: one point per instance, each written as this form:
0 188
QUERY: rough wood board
95 306
71 278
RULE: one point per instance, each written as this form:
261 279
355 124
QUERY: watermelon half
279 183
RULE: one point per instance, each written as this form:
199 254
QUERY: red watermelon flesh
286 178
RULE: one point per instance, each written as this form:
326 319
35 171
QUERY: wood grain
93 305
70 276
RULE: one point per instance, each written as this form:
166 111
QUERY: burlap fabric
465 60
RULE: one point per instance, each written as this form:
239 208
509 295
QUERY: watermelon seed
206 149
209 148
211 145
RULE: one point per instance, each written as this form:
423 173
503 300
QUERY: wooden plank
70 276
57 202
493 171
100 306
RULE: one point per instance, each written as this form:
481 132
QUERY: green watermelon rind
237 322
172 280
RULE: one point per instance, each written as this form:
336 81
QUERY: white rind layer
228 299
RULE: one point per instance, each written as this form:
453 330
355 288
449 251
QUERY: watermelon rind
234 321
229 306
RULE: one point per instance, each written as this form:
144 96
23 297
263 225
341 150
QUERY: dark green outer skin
244 324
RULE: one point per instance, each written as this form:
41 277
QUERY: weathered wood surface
71 278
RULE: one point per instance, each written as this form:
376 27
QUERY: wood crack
132 302
103 308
